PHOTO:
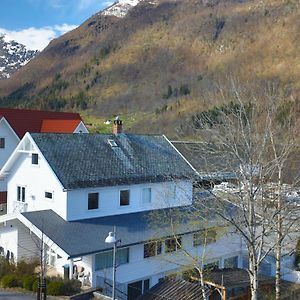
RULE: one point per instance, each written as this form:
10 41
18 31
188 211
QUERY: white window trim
21 186
35 165
87 200
119 199
142 200
51 192
5 139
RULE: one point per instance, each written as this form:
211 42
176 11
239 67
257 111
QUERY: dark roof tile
81 160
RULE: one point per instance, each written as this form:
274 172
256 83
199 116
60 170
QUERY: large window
124 197
93 201
35 159
146 195
231 262
21 193
2 143
48 195
105 260
172 244
152 248
205 237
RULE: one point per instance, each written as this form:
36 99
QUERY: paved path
8 295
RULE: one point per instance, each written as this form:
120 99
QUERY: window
93 201
48 195
2 143
173 244
231 262
112 143
34 159
212 265
124 197
152 249
205 237
105 260
21 193
146 195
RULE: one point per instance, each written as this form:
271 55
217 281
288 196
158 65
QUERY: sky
35 23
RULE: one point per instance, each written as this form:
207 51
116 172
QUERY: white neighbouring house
14 123
70 190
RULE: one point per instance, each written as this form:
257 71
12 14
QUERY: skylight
112 143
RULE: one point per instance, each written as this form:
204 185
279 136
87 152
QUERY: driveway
8 295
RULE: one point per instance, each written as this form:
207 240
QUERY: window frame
2 142
157 247
120 197
142 196
21 193
173 247
49 193
88 201
110 253
34 159
200 240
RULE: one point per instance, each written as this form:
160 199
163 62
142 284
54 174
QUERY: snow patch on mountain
13 56
120 8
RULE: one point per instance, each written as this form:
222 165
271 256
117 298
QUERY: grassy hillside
157 66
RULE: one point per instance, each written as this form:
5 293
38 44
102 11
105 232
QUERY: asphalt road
7 295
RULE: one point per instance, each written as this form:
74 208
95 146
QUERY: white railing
19 207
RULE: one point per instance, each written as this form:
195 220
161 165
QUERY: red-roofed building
14 123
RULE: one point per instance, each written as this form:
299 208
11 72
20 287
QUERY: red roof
59 126
23 120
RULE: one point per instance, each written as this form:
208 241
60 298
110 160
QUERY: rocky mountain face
160 64
12 57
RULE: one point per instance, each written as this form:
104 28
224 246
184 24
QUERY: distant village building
14 123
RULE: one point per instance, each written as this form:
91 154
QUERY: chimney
117 126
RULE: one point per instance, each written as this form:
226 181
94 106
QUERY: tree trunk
253 270
279 240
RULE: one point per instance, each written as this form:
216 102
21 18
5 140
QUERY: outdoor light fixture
111 239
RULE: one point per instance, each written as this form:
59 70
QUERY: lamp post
111 239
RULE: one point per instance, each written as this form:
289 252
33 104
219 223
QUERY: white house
70 190
14 123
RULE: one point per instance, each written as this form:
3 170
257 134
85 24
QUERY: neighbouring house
69 191
14 123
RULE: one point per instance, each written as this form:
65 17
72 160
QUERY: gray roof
88 160
83 237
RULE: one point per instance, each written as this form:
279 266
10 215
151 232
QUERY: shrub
9 281
55 288
35 285
5 267
28 282
72 287
26 268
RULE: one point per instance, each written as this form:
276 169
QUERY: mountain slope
12 57
159 63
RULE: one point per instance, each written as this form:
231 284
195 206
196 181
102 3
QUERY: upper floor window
146 195
104 260
48 195
205 237
124 197
34 159
2 143
152 248
173 244
21 193
93 201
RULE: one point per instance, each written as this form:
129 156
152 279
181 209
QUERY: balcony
19 207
